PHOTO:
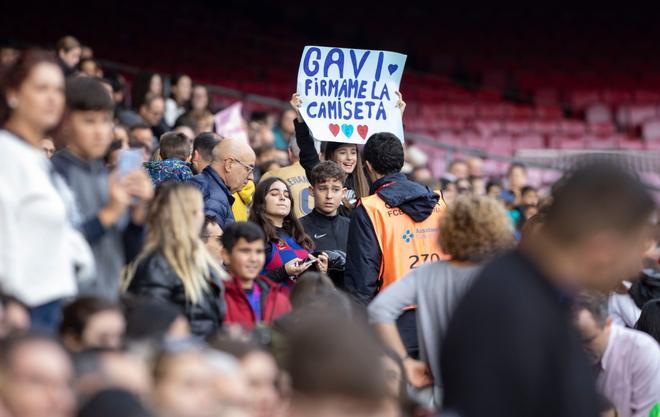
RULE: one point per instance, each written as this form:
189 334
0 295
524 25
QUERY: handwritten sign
349 94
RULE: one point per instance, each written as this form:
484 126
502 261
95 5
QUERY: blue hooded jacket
364 254
168 170
217 197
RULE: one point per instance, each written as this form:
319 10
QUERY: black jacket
155 279
330 234
646 288
364 255
511 351
309 158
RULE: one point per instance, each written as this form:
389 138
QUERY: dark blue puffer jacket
217 197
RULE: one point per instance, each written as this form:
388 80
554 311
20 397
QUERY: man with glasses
212 238
230 170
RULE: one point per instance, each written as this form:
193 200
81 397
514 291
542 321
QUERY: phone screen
129 161
308 263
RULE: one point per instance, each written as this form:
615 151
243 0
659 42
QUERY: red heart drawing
334 129
362 130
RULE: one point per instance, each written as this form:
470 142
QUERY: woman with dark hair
176 105
145 83
37 260
68 54
199 100
346 155
288 248
198 115
92 322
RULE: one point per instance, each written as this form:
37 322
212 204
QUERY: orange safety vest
404 244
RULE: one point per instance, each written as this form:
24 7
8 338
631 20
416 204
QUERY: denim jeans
46 317
407 326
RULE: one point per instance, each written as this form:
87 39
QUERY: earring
12 103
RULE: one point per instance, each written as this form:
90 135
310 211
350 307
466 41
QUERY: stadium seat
598 113
651 130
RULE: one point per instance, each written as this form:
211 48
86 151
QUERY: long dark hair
360 181
291 224
13 76
140 88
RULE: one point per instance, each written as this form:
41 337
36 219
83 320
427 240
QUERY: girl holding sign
346 155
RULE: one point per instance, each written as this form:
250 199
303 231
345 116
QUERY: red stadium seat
579 100
549 112
530 141
635 115
487 127
598 113
651 130
463 111
631 144
545 127
516 127
535 177
491 111
652 145
572 127
546 96
594 142
501 144
601 129
566 142
476 141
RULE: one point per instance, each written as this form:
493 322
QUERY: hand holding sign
400 104
296 102
346 95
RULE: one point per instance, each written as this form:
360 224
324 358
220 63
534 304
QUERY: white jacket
39 249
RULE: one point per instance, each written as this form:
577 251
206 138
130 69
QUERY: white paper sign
349 94
229 122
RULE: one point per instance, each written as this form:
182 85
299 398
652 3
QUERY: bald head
233 160
232 148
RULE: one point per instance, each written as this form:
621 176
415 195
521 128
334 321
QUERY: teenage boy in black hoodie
327 228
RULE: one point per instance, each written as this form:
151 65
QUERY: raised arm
309 157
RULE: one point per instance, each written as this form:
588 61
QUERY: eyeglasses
218 238
250 168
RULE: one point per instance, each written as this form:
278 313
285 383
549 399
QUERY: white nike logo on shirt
319 236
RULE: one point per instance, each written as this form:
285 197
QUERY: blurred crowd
152 265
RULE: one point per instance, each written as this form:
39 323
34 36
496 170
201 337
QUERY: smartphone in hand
129 161
308 262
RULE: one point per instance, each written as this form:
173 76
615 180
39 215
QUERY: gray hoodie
89 182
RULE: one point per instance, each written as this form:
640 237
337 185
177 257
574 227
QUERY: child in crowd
251 299
175 153
111 209
324 225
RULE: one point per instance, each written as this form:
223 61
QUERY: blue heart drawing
392 68
347 129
